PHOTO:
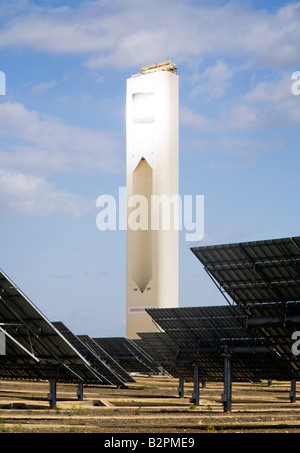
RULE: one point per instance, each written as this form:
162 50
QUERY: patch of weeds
76 410
143 387
3 428
137 411
211 429
17 428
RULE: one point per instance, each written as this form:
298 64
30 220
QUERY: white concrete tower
152 119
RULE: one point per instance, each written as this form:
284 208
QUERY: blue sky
62 138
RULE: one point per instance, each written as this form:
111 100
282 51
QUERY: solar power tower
152 117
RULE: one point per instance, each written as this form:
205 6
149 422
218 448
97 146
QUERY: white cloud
268 104
126 34
12 7
27 195
187 31
275 102
214 81
244 147
195 120
43 86
43 145
271 90
238 117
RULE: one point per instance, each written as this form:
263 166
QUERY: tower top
164 66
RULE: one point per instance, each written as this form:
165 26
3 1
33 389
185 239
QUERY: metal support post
52 394
80 391
226 396
181 388
195 396
293 391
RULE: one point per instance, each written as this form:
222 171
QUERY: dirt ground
151 405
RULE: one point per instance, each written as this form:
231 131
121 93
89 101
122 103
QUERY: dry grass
149 406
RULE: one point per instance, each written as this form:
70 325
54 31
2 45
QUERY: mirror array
260 282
